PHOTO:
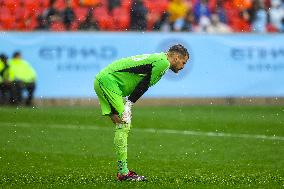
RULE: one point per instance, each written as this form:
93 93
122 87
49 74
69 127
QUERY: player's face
179 64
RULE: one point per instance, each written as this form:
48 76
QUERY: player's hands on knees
127 114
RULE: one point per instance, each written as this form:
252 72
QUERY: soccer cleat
131 176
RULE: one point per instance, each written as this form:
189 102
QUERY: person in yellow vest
4 84
23 77
177 9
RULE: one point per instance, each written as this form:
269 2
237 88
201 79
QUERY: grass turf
72 147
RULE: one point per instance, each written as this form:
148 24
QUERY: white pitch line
151 130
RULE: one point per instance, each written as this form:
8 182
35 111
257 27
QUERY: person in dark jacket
138 16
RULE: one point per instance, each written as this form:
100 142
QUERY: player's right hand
127 114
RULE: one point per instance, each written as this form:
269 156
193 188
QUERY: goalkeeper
131 77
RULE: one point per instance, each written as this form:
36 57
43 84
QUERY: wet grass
73 148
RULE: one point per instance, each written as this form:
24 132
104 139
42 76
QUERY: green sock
120 143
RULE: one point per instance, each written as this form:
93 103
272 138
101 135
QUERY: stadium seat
152 18
126 4
7 20
5 11
80 13
43 3
31 4
121 18
74 26
158 6
60 4
240 25
21 13
57 26
104 20
11 4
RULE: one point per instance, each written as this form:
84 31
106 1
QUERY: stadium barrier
235 66
166 101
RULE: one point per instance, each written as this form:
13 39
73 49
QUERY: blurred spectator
216 26
203 25
138 16
258 16
113 4
185 24
220 11
51 14
23 77
163 24
276 14
68 15
282 25
41 23
177 9
202 12
89 23
4 84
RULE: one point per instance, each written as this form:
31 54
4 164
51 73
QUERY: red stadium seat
60 4
57 26
121 18
81 13
30 4
7 20
74 26
158 6
43 3
104 20
240 25
11 4
152 18
21 13
5 11
126 4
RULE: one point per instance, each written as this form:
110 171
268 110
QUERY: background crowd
17 80
212 16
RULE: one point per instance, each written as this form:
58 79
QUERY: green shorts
109 96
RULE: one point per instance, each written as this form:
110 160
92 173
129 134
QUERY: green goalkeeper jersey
132 76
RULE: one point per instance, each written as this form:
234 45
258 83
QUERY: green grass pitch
72 147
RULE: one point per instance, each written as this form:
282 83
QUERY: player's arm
139 90
143 85
153 73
